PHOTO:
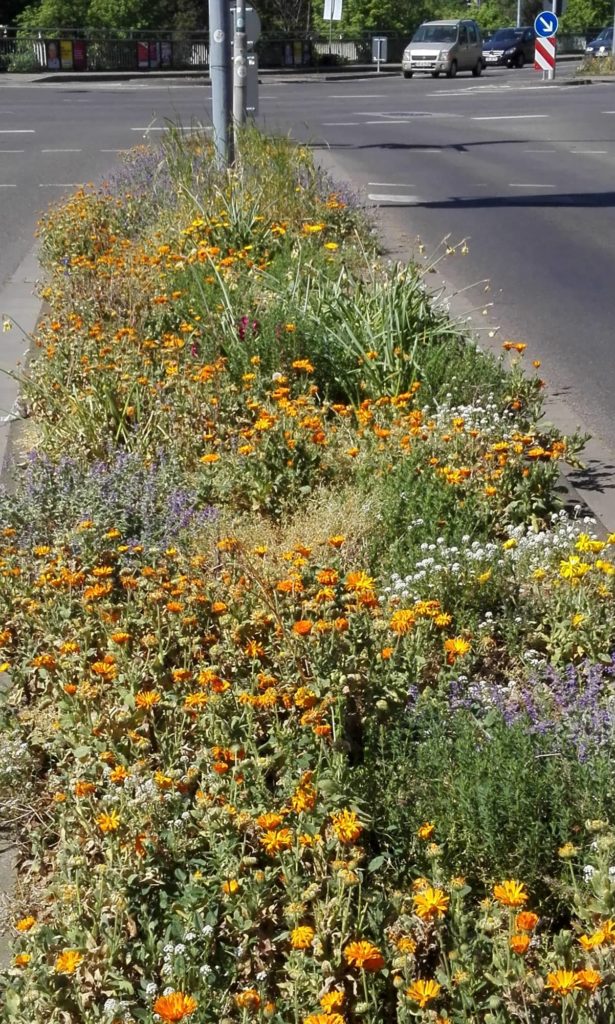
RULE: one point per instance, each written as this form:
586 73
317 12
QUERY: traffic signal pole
240 63
221 80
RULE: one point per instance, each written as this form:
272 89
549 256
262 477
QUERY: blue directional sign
546 24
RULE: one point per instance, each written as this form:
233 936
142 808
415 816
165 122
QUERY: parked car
602 45
510 47
444 47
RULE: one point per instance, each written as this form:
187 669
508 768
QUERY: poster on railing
79 55
143 56
66 54
333 10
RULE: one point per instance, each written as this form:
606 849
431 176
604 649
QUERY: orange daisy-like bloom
302 937
83 788
431 903
423 991
303 627
25 924
519 943
108 822
510 893
22 960
364 955
146 699
402 621
336 540
526 921
455 648
274 842
68 961
406 945
174 1006
562 983
249 999
332 1001
230 887
324 1018
359 581
589 979
269 820
426 830
593 941
346 826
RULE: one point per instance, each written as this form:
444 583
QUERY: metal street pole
519 13
613 43
240 63
221 81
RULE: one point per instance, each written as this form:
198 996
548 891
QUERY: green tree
583 14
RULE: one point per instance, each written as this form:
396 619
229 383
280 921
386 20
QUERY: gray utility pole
221 79
240 63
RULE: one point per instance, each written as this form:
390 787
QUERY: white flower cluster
442 562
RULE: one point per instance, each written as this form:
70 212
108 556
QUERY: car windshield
605 36
505 35
435 34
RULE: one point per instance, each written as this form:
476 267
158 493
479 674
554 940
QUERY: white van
444 46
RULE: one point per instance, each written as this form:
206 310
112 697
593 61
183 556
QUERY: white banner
333 10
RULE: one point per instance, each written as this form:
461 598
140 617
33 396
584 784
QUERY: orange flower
303 627
22 960
364 955
25 924
174 1006
302 937
230 887
108 822
423 991
346 826
332 1001
324 1018
519 943
455 648
68 961
249 999
274 842
431 903
526 921
510 893
83 788
589 979
146 699
562 983
427 830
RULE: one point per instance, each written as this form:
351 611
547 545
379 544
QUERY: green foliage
583 14
504 799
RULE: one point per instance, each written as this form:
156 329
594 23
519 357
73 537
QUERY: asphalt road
524 172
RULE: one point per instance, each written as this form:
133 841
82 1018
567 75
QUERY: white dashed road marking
509 117
389 198
61 151
528 184
17 131
390 184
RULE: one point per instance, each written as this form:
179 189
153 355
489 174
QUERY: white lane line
391 184
509 117
17 131
12 150
115 151
405 120
587 152
528 184
539 151
607 111
8 186
377 198
339 124
153 128
417 152
359 96
61 151
63 184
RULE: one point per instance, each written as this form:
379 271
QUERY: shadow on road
588 200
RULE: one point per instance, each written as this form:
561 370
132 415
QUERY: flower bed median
311 715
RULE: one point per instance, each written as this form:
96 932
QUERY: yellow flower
455 648
562 983
423 991
302 937
519 943
230 887
593 941
22 960
431 903
108 822
68 961
567 851
346 826
25 924
332 1001
510 893
573 569
426 830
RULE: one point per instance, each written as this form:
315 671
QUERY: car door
463 60
528 44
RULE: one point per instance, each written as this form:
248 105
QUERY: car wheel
407 74
478 70
520 60
452 71
435 74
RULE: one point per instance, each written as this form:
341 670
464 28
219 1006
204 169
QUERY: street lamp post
221 83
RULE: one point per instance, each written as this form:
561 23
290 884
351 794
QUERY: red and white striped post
544 56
